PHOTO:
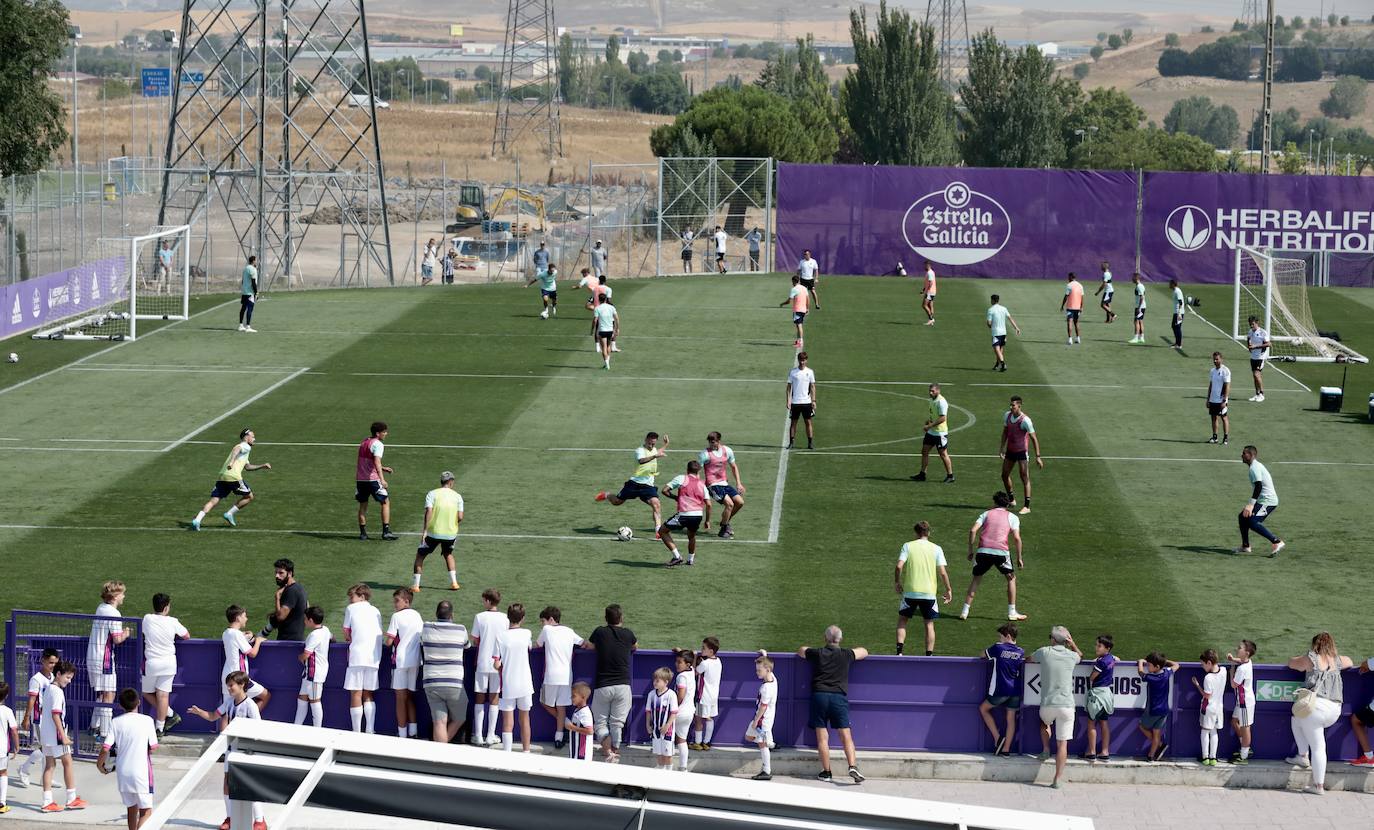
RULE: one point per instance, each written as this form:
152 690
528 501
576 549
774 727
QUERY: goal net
1273 289
131 279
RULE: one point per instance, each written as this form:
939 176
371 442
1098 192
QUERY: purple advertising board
42 300
967 221
1191 223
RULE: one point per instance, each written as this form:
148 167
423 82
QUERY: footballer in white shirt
558 642
1257 341
486 686
403 635
1219 398
512 660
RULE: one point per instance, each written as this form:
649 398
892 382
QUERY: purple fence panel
1191 223
973 222
42 300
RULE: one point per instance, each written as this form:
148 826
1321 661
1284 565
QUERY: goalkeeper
230 481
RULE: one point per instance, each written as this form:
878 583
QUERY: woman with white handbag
1317 705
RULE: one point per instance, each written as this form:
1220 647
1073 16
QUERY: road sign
157 82
193 77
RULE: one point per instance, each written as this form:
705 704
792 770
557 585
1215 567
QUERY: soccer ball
13 358
624 534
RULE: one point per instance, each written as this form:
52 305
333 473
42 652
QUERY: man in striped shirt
442 642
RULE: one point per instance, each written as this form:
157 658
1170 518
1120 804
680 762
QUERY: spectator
427 262
920 561
754 238
830 698
1057 661
688 236
614 644
107 632
442 642
1319 708
1004 688
403 635
288 614
599 259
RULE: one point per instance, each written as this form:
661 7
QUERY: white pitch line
1139 458
606 537
187 370
264 393
775 516
109 349
1219 330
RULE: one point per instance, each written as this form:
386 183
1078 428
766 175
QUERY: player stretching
989 546
718 461
690 494
1258 342
810 272
928 295
1138 338
230 481
641 483
998 317
936 435
372 481
1072 306
798 298
1016 429
1264 500
1106 289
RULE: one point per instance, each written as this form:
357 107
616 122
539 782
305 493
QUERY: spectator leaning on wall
830 697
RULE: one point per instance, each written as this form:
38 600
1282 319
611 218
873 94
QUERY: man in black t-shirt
830 697
288 607
614 644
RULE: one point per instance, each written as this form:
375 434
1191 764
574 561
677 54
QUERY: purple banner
970 222
1191 223
37 302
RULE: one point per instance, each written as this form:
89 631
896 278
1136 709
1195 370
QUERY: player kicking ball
230 481
641 483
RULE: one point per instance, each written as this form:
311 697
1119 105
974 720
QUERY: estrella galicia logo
956 225
1188 228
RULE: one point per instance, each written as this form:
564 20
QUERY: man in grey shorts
614 644
442 642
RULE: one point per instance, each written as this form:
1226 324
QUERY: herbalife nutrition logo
1188 228
956 225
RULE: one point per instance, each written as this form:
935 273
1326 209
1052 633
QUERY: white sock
257 812
316 713
415 580
767 755
452 577
71 795
691 557
697 735
1011 610
400 731
47 797
200 515
493 713
232 510
710 730
506 740
963 612
1212 740
33 759
355 715
1245 752
676 555
558 736
159 724
682 756
4 789
479 720
301 707
370 715
412 729
228 807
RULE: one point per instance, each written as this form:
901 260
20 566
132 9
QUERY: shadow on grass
1176 440
897 479
597 530
634 563
767 343
1209 549
385 586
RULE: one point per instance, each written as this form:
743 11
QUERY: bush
1345 20
1332 20
1127 35
1096 53
1238 26
1301 63
1081 70
1347 98
1172 40
1357 62
1313 37
1297 23
1174 63
1114 42
114 88
742 51
1207 30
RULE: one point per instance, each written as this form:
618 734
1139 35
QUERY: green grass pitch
108 458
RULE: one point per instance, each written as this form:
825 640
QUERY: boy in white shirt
9 745
403 635
685 687
160 632
1211 718
1243 684
512 660
486 630
107 631
314 667
760 731
240 645
363 633
131 739
56 740
660 716
237 705
708 693
558 642
579 723
33 710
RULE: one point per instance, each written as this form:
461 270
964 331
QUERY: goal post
1273 289
135 278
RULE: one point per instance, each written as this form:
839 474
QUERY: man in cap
443 514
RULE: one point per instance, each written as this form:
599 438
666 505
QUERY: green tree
1238 26
613 50
1155 149
1198 116
743 51
1291 161
661 91
1127 35
1106 114
638 62
1332 19
1101 37
1345 20
1096 53
1114 42
1302 63
1172 40
897 108
749 122
799 76
1313 37
1081 70
1297 23
112 89
1012 114
32 123
1346 99
665 56
571 83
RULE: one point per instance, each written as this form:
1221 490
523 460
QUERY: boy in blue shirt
1100 702
1157 672
1004 688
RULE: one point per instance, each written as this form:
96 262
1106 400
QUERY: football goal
132 278
1273 289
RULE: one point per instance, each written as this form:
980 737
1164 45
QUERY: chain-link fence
703 198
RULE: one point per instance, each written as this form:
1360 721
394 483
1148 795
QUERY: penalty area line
600 537
264 393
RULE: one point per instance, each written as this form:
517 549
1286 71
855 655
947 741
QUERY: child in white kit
403 635
131 739
57 740
512 660
239 647
314 667
708 693
579 723
760 731
558 642
685 687
1243 684
660 717
1210 718
237 704
9 745
486 685
363 633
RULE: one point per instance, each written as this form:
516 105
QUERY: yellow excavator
500 214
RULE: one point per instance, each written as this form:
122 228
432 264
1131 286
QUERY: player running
548 289
1106 289
798 298
936 435
1138 289
230 481
1017 431
641 483
989 546
998 317
443 514
810 272
371 480
718 461
690 493
928 295
1264 500
1258 342
606 328
1072 306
